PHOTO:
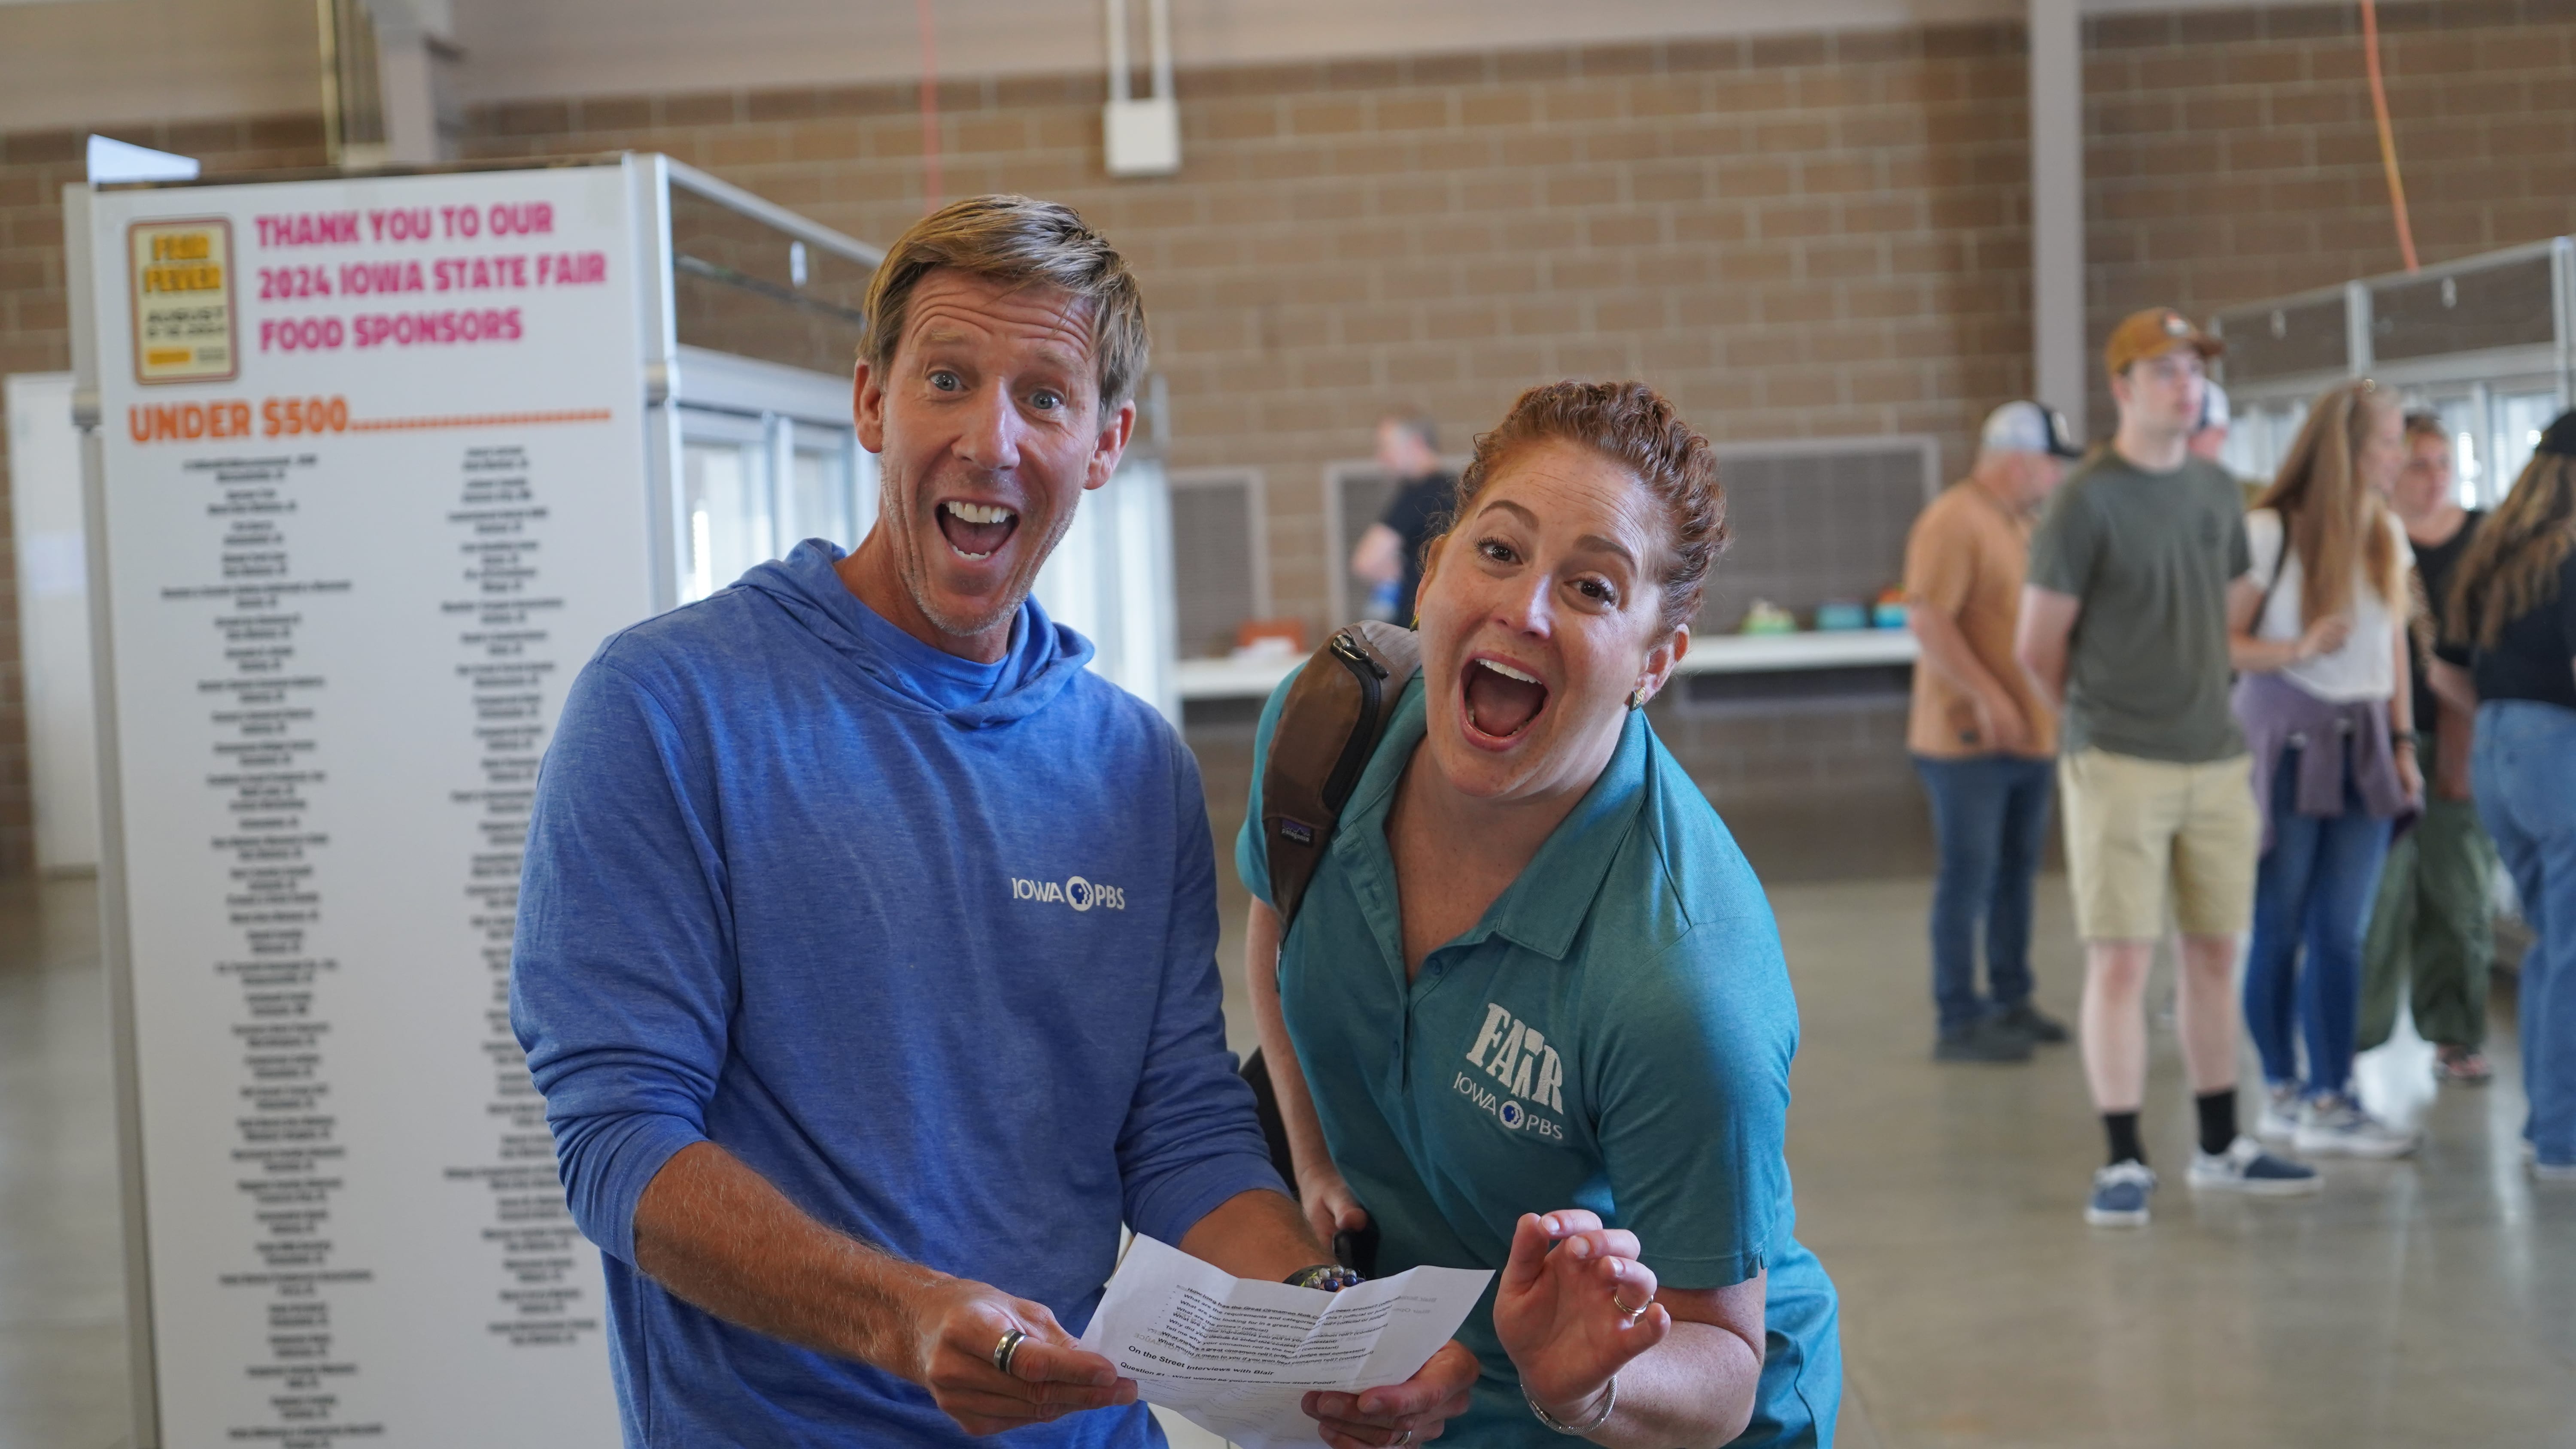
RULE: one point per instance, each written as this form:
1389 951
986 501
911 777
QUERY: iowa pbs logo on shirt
1072 891
1526 1066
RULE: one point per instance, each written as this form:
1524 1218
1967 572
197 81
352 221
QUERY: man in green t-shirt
2124 619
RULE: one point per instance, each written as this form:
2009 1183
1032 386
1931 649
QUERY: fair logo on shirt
1529 1072
1073 891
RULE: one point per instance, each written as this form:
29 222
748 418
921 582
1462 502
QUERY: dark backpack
1329 726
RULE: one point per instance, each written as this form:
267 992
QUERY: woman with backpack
1530 1013
2318 629
2509 651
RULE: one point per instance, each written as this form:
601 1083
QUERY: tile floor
2413 1303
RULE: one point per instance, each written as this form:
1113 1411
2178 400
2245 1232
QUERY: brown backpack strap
1333 718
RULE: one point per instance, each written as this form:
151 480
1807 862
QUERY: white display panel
345 591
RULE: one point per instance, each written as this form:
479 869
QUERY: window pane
725 488
2519 419
819 504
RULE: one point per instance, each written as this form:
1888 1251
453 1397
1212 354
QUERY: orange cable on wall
931 184
2387 135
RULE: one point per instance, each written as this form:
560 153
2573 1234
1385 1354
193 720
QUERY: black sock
2123 1129
2217 1120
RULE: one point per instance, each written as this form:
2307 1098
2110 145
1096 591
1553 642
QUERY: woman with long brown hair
2509 649
2317 629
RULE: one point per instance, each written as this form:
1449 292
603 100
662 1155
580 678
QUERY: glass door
726 513
825 496
2521 412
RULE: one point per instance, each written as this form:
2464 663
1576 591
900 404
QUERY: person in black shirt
1388 556
2432 926
2509 644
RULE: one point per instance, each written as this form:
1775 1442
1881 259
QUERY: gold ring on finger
1008 1349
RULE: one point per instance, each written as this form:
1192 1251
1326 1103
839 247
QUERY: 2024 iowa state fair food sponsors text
352 279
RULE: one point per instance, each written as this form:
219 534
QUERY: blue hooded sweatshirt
928 944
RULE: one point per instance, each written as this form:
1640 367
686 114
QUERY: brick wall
1800 236
2230 155
1804 235
35 166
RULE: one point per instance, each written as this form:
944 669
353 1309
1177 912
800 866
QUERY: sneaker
2031 1022
2245 1167
2120 1195
2279 1119
2338 1126
1982 1040
2463 1065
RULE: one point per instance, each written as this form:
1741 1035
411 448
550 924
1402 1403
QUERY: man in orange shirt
1982 739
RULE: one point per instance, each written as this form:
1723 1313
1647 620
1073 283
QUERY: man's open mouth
1501 700
976 530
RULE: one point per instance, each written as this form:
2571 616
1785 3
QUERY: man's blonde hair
1016 241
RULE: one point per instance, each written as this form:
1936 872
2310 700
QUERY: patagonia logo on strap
1297 831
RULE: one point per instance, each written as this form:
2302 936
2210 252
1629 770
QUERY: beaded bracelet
1330 1277
1609 1401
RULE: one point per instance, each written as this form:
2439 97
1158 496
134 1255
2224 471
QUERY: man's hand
1407 1413
1573 1307
957 1323
2000 723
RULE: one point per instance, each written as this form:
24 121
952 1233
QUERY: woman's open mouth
976 531
1501 701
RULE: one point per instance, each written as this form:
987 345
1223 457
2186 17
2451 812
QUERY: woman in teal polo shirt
1533 1015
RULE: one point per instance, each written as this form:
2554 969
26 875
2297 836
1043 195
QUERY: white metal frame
116 946
681 380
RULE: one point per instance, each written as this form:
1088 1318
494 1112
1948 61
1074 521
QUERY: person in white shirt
2317 629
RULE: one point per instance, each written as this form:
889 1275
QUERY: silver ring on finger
1008 1349
1631 1315
1405 1437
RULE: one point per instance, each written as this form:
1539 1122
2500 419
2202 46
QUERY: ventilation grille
2286 341
1218 565
2508 304
1814 523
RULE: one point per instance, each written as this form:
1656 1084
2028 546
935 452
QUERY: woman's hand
2323 637
1573 1307
2410 775
1330 1207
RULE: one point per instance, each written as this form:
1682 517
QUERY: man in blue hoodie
866 941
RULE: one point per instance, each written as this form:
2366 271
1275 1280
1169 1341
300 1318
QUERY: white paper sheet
1236 1355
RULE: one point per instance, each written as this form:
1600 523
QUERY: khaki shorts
2133 825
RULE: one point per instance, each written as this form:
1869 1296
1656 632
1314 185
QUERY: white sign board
373 491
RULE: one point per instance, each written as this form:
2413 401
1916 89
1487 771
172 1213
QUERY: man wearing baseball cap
2124 620
1982 738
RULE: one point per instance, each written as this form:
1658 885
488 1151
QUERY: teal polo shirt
1615 1034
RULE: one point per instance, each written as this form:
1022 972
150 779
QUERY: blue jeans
2314 888
2523 768
1989 820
